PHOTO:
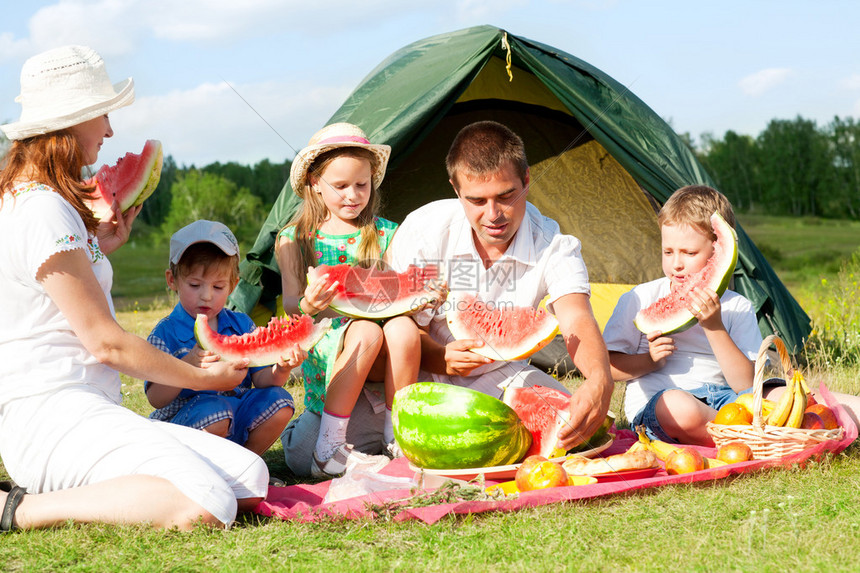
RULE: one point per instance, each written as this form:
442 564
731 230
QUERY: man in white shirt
491 241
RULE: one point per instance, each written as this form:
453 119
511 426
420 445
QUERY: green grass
802 250
799 518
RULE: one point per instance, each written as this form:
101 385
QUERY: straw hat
64 87
332 137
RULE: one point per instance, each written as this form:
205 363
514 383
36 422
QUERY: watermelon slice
669 314
265 345
131 181
374 293
508 332
544 411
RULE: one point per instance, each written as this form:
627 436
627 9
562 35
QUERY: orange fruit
734 452
733 414
826 414
684 461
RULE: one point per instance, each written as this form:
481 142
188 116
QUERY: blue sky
705 67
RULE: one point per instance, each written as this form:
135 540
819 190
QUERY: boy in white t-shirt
677 383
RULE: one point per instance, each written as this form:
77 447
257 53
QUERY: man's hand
459 361
588 407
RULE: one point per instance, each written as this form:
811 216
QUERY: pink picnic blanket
304 502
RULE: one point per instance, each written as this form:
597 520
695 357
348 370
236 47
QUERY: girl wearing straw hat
338 175
74 452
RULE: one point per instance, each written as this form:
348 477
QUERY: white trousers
78 436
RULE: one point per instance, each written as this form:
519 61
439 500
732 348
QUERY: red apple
683 461
812 421
525 469
541 475
826 414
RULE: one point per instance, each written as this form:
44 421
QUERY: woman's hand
114 231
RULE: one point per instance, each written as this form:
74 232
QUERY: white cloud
12 49
211 123
764 80
852 82
480 10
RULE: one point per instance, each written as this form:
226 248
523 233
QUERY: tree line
793 167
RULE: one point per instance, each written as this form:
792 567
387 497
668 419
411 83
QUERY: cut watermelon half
130 181
670 314
508 332
375 294
544 411
265 345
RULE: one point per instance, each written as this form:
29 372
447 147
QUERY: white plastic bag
360 482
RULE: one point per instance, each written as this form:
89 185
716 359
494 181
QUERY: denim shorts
247 411
714 395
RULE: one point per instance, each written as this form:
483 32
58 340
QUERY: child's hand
705 306
289 360
318 294
660 347
201 358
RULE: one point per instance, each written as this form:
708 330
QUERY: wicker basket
770 441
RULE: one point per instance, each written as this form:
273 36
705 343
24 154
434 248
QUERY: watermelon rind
442 426
134 186
265 345
470 319
376 302
669 314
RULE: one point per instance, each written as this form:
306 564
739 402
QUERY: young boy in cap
204 270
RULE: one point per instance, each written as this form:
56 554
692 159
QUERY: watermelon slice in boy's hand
130 181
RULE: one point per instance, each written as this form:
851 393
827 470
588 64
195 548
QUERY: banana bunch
663 449
790 407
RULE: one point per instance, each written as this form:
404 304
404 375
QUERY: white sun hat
64 87
332 137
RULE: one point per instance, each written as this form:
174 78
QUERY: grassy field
803 519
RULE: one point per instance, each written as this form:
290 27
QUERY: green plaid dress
332 250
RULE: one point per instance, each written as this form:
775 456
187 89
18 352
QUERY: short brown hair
693 205
208 255
484 148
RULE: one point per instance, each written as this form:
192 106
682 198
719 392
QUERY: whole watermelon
440 426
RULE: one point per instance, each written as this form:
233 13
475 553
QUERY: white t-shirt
39 351
693 363
540 261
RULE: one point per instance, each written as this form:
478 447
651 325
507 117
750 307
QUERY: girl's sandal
13 498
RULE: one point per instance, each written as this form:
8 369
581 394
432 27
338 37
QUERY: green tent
602 162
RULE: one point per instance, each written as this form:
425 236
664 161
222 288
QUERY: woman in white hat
74 452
